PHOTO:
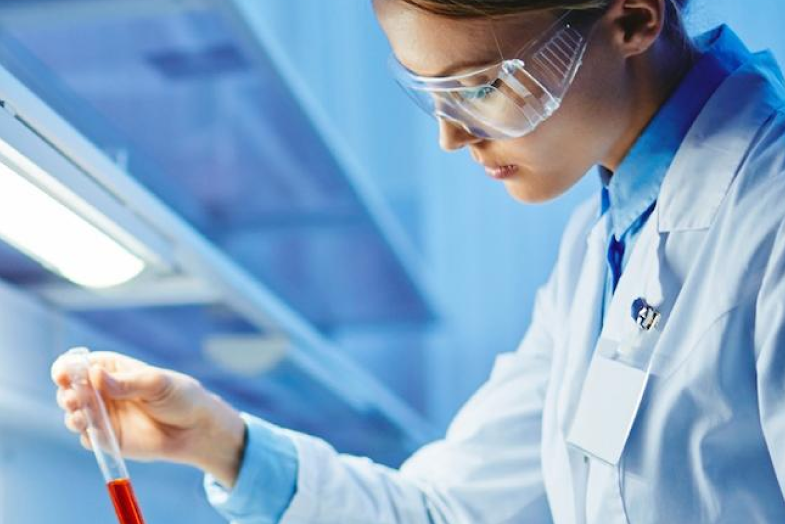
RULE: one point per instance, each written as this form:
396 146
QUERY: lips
495 170
501 172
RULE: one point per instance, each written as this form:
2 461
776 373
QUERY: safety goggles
511 98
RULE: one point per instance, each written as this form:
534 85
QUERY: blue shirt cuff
267 480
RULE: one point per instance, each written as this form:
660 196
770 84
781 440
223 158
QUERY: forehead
432 45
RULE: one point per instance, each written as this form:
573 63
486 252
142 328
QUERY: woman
650 384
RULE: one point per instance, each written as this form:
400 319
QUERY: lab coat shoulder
767 269
769 343
745 231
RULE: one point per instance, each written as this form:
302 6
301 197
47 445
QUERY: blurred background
311 255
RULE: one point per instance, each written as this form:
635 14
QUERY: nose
453 137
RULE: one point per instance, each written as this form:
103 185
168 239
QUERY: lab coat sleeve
486 470
770 354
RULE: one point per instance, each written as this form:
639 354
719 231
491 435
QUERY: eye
482 92
479 93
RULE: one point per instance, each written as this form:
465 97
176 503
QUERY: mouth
495 170
501 172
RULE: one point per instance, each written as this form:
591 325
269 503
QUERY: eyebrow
465 65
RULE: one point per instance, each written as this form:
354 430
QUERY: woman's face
583 132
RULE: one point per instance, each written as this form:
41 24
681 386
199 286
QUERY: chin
531 188
528 193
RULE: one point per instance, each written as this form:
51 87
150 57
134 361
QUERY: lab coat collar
717 143
634 186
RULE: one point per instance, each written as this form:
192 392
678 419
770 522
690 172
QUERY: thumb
146 384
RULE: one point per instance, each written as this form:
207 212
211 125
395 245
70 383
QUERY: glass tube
102 437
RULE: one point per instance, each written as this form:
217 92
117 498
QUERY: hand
158 414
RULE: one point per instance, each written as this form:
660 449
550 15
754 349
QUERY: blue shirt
267 480
630 193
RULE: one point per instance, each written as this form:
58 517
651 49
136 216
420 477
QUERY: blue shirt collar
634 187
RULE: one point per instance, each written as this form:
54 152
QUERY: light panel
60 239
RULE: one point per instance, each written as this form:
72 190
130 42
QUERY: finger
72 399
59 373
105 359
76 422
60 396
113 362
67 399
85 442
149 383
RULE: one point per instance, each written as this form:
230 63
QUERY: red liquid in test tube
124 500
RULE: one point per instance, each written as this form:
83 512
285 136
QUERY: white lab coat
708 444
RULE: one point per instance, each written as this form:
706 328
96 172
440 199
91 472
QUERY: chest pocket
698 313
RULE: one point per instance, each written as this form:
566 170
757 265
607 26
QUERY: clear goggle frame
508 99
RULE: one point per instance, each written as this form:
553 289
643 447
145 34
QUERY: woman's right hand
158 414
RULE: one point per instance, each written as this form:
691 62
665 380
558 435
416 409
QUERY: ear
637 24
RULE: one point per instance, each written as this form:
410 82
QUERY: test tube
102 438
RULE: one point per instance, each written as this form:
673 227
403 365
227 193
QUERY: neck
653 78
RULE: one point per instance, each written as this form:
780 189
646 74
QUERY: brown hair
481 8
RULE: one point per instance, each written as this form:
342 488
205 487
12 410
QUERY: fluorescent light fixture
45 229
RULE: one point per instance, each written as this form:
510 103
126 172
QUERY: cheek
599 87
584 127
551 160
555 144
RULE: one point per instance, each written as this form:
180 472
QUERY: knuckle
161 384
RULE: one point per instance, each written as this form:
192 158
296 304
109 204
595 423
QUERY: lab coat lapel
584 327
584 318
641 279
